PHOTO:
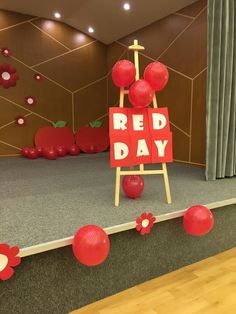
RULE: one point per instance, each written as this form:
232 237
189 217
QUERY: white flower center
30 101
145 223
6 76
21 121
3 261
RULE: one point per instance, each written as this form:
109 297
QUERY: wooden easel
136 48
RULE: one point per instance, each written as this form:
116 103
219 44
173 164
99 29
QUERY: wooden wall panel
90 103
8 19
194 9
77 68
188 54
65 34
159 35
29 45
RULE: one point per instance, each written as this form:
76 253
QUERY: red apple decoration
33 153
25 151
50 153
61 151
93 138
53 136
74 150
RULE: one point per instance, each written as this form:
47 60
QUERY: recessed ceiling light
90 29
57 15
126 6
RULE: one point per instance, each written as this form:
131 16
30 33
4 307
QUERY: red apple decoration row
50 153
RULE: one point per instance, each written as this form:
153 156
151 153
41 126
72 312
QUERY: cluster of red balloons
141 91
50 153
198 220
91 245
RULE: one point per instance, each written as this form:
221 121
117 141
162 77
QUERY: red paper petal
14 250
139 220
142 231
6 273
138 227
144 215
153 219
4 249
14 260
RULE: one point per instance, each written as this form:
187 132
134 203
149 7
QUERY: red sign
139 136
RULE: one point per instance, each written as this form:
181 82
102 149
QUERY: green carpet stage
43 203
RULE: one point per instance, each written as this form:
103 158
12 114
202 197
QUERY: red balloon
123 73
25 151
40 151
133 185
140 94
91 245
50 153
74 150
61 151
33 153
198 220
157 75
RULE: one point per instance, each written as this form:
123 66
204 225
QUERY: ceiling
107 17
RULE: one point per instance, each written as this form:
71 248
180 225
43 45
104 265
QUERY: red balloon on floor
40 151
123 73
140 94
157 75
33 153
91 245
61 151
198 220
50 153
133 186
25 151
74 150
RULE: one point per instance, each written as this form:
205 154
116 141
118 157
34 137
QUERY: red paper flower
38 77
6 52
20 120
8 260
30 100
8 76
145 223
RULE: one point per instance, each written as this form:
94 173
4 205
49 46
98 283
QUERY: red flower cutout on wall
8 76
30 100
6 52
145 223
38 77
20 120
8 260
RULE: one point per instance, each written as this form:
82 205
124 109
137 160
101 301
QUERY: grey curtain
221 97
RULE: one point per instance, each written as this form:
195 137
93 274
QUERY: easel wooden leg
117 191
167 185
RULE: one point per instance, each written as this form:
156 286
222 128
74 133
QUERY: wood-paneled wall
73 86
76 69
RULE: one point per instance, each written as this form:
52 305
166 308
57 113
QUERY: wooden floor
206 287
